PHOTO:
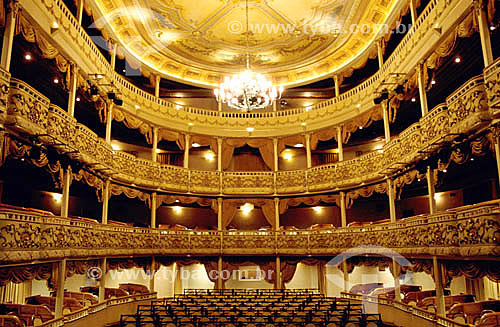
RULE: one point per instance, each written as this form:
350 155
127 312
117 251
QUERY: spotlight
195 145
458 59
493 27
111 95
56 80
118 102
57 197
28 56
318 209
413 99
433 82
399 89
77 99
247 208
250 129
177 209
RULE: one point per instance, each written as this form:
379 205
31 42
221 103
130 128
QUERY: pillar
105 201
346 275
220 228
340 144
343 212
109 120
61 278
392 200
72 89
380 53
337 85
275 105
79 11
421 90
413 11
497 155
484 34
308 150
219 105
154 154
67 178
153 209
152 275
277 214
102 281
277 284
219 154
275 152
438 280
12 11
397 287
113 55
431 190
220 282
157 86
186 150
387 128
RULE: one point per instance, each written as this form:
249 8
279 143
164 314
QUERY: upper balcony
420 40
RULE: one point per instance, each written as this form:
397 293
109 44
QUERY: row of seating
250 308
461 308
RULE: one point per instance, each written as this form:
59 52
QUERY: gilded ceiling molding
372 14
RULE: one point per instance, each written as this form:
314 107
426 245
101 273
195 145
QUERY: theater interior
330 163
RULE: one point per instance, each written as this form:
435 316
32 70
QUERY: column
337 85
421 90
392 203
497 153
340 143
67 178
113 55
343 212
413 11
154 154
387 129
152 275
380 53
157 86
219 154
277 214
431 190
72 89
105 202
12 10
61 277
102 281
277 284
187 145
219 105
109 120
220 282
484 33
397 272
438 281
79 9
220 228
275 105
275 152
153 209
346 275
308 150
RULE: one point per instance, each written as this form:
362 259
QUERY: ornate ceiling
200 42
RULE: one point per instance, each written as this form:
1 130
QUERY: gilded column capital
13 7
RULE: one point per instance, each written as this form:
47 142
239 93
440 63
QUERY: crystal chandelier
248 90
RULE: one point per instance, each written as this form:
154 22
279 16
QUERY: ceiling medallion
248 90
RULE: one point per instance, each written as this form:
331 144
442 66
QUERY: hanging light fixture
248 90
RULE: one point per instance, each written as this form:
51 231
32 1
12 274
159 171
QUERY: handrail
445 233
444 121
159 108
87 311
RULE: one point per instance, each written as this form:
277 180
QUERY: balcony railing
30 112
419 40
469 231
